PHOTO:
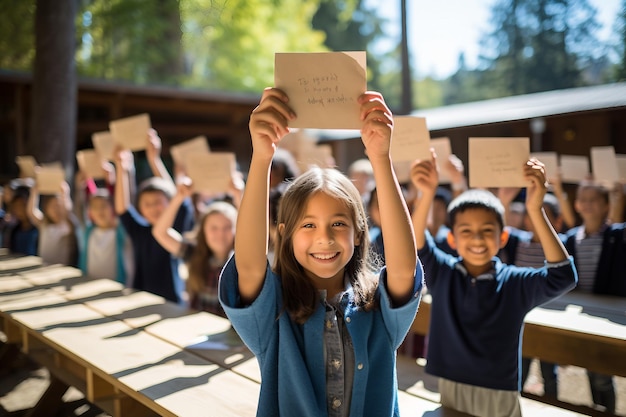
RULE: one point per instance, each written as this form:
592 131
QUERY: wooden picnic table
585 330
130 352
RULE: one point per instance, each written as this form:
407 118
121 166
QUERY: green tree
539 45
620 46
350 25
230 44
17 34
132 40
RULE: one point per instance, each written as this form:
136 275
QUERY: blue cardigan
291 356
120 238
476 322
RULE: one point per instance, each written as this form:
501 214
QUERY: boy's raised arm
425 179
553 248
163 229
400 252
268 125
153 154
33 212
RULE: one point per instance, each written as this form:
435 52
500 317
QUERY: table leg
51 400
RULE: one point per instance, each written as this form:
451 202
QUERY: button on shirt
338 357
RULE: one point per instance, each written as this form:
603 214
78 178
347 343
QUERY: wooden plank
90 289
125 406
12 332
98 388
33 299
210 337
64 315
31 343
137 308
13 284
53 274
603 355
421 323
575 329
19 263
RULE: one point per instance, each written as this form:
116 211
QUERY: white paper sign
410 139
574 168
49 179
197 145
443 150
551 162
498 162
103 144
131 132
90 162
211 172
323 87
27 164
604 165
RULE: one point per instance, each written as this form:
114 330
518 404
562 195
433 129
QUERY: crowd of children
313 289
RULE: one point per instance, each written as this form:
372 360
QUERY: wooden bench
132 353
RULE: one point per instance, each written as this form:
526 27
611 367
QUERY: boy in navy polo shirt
479 303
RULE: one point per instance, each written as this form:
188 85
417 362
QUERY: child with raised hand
206 255
107 250
323 326
478 303
58 241
599 250
156 271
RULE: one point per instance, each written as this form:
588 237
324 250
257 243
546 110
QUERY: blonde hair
300 297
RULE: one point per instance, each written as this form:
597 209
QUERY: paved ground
21 387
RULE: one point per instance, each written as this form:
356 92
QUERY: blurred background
198 66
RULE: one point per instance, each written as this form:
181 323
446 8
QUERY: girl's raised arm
268 125
400 252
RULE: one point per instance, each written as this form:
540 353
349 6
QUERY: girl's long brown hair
300 297
199 260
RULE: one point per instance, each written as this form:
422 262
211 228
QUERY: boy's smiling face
477 237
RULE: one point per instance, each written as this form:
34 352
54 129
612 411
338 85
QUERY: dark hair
552 204
443 195
299 295
603 192
156 184
284 159
476 198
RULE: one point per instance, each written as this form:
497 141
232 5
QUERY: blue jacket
291 356
476 322
610 276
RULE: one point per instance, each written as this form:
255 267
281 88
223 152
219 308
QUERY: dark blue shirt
476 322
156 271
24 241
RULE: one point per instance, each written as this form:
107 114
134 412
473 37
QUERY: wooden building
566 121
177 114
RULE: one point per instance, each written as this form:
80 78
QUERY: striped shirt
588 251
530 254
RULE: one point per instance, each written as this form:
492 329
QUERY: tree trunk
53 109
